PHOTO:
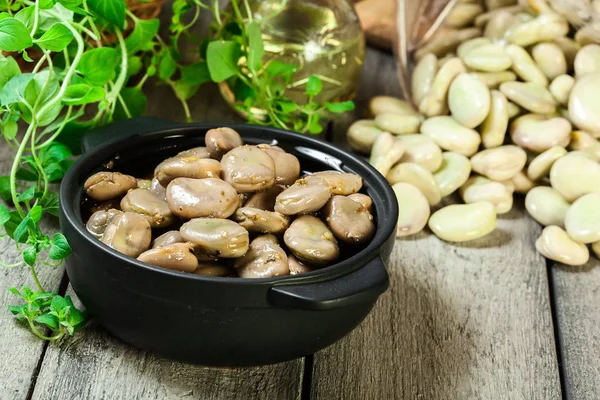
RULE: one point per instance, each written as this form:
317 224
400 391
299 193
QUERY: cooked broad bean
363 200
296 266
264 200
98 221
287 166
248 169
213 269
264 259
339 182
192 198
216 237
349 221
147 204
219 141
257 220
309 239
186 167
128 233
167 239
108 185
176 256
303 197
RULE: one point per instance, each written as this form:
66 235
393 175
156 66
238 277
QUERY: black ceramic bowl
212 320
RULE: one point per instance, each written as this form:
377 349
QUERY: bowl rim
384 229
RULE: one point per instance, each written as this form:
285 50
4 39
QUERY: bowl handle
363 285
123 129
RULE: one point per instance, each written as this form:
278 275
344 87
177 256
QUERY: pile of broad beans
508 102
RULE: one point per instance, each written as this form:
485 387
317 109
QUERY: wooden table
490 319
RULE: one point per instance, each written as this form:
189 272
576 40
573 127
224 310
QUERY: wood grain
577 298
19 348
460 321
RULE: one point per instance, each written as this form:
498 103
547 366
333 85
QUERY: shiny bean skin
108 185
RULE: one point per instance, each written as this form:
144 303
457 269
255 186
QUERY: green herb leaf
14 36
11 226
313 86
49 17
98 65
13 91
315 127
142 37
167 67
111 10
70 4
54 152
4 215
54 172
340 107
10 129
83 94
287 106
59 306
50 203
48 319
8 69
60 247
279 68
5 192
25 15
256 47
195 74
56 38
222 58
27 194
30 255
135 66
36 214
18 311
136 103
45 4
41 89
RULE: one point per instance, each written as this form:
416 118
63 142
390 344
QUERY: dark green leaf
243 92
142 37
50 203
195 74
72 133
135 65
256 47
279 68
40 90
98 65
30 255
184 90
203 47
49 320
135 101
27 194
315 127
54 172
8 69
10 129
60 247
83 94
36 214
70 4
5 192
167 67
25 174
11 226
27 292
340 107
19 311
13 91
14 36
222 58
287 106
56 38
19 233
59 306
25 15
313 86
15 291
46 4
111 10
4 215
232 29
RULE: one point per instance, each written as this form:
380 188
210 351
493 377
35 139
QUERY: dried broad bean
495 125
493 79
463 222
587 60
522 183
422 150
419 177
546 206
479 188
530 96
434 101
561 88
453 173
362 135
398 124
584 107
386 152
525 66
413 209
540 166
388 104
574 175
488 58
550 59
582 220
500 163
555 244
581 140
536 133
451 136
422 76
469 100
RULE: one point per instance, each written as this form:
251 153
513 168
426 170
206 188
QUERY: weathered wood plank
576 299
19 348
459 321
